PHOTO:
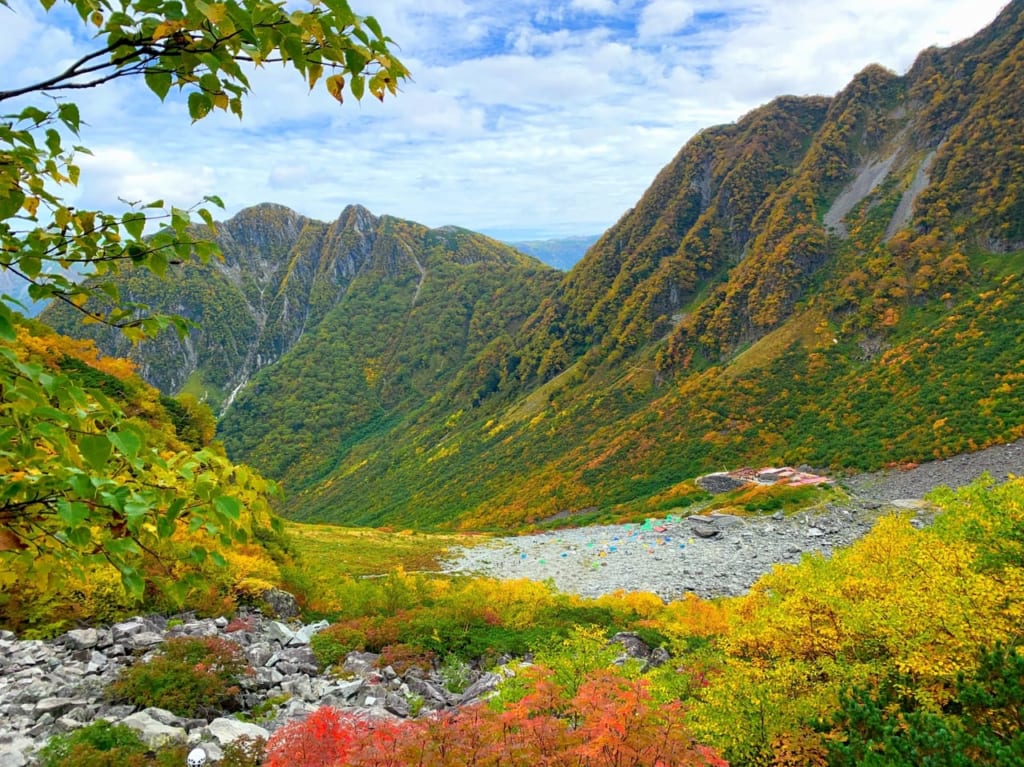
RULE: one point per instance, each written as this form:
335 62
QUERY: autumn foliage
611 721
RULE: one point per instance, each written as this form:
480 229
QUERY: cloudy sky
523 119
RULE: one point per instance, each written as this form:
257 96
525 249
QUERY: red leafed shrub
619 724
610 722
323 739
402 657
248 623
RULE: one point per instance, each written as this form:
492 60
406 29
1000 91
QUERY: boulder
433 696
719 483
361 663
304 634
81 639
152 732
13 751
702 527
281 603
396 704
487 683
225 731
280 633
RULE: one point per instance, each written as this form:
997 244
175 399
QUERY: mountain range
829 280
561 252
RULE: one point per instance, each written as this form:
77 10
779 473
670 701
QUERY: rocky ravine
56 686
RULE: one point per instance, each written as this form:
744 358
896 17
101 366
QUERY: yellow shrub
643 604
251 561
692 616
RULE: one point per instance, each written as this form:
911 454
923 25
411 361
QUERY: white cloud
603 7
112 173
661 18
550 115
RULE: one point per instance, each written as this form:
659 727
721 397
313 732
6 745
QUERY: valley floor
721 554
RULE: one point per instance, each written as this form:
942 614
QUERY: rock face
53 687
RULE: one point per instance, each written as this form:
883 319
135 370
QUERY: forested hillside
830 280
359 322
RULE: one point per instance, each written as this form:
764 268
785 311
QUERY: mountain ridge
281 274
830 280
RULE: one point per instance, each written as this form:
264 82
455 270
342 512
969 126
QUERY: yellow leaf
96 18
314 73
215 12
167 28
335 83
31 205
220 101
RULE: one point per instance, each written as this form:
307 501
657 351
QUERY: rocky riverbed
721 554
56 686
712 556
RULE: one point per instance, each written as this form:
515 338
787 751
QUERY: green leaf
134 223
358 87
174 509
293 50
81 485
7 332
72 513
218 559
341 10
228 506
374 26
11 203
31 265
158 82
133 582
136 507
79 536
95 449
68 113
199 105
127 442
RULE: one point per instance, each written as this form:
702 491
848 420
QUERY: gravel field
719 554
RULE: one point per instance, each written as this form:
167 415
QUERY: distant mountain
562 253
17 288
830 280
281 276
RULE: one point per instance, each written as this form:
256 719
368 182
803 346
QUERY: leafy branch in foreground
82 482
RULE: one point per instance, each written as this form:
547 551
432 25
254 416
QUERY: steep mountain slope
829 280
425 302
281 276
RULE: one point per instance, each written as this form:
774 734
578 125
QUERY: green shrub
244 752
455 674
191 677
93 744
102 744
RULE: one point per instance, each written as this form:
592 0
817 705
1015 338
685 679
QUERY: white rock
225 730
153 733
280 633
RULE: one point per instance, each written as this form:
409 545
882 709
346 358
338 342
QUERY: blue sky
523 119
